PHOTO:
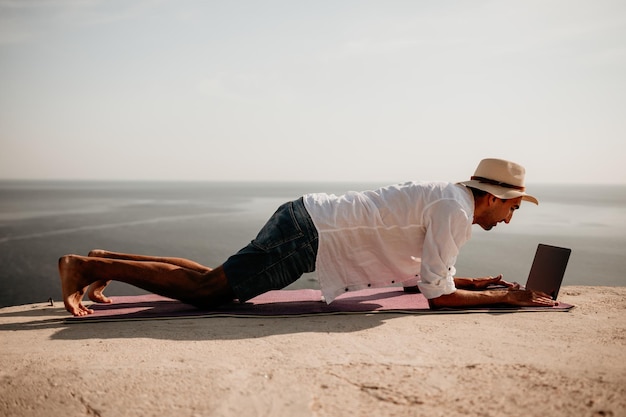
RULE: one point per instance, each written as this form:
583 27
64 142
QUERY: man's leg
96 289
203 289
185 263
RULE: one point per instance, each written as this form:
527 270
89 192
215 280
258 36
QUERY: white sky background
311 90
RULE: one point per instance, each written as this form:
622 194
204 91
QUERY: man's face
499 211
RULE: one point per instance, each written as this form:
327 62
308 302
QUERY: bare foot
96 290
73 285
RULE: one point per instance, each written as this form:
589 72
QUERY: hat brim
500 192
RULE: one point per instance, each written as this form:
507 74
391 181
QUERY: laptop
548 268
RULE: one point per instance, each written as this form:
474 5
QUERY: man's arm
510 296
472 284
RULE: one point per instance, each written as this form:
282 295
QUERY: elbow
435 303
445 300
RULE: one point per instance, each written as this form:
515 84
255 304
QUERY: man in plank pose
409 233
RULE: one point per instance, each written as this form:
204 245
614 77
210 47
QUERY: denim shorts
284 249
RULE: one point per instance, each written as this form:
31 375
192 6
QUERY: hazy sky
311 90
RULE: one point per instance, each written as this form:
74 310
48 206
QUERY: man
409 233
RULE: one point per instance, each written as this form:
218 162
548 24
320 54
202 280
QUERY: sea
208 221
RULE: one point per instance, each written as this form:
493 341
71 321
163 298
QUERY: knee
216 290
220 280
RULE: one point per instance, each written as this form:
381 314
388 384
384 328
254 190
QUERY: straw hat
503 179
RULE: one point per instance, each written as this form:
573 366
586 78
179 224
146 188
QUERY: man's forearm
510 296
464 298
463 282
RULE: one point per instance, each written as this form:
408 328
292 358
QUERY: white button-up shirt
409 233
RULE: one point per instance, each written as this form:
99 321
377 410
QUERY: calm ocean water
206 222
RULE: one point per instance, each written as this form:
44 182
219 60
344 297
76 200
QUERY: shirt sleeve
447 229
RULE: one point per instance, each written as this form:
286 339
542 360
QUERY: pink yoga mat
285 303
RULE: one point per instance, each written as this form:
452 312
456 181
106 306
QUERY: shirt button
346 289
393 282
369 285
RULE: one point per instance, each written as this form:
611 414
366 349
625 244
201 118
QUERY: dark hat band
498 183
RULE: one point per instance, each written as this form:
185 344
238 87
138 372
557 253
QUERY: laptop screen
548 269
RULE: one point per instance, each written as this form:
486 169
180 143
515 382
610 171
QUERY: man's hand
526 298
484 282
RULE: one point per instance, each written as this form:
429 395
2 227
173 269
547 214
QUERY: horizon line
275 181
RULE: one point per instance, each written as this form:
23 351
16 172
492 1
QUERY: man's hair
478 193
481 193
